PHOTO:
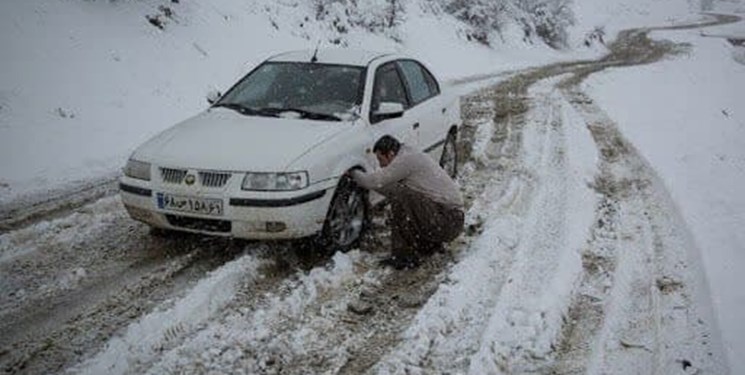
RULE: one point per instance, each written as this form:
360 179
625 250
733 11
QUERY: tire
449 157
347 218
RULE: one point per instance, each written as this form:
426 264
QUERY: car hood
222 139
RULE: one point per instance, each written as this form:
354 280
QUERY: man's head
386 149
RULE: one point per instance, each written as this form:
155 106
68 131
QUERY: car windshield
309 90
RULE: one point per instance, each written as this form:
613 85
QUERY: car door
389 87
426 104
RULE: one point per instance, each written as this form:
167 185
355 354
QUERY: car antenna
315 53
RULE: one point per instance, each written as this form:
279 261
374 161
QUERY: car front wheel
347 217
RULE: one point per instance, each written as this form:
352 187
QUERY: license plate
203 206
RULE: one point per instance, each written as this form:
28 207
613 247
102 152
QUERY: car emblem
189 180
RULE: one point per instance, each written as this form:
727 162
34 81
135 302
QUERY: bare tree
393 12
548 19
372 15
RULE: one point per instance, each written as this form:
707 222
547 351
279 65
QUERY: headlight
137 169
275 181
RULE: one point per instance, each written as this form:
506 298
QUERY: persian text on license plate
203 206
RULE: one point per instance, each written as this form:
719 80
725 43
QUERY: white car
267 159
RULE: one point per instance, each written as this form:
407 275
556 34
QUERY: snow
148 337
83 83
66 231
547 262
225 345
614 16
685 116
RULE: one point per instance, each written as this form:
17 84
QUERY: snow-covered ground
686 116
83 83
614 16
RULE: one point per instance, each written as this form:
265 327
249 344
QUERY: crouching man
426 204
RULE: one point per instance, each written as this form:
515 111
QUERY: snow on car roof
331 56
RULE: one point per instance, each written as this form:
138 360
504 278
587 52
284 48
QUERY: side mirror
387 110
213 96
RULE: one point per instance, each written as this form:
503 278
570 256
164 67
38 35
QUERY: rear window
420 82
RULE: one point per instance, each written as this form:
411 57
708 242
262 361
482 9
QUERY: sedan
267 160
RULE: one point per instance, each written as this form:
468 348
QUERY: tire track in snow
263 331
525 322
146 338
643 293
586 314
84 323
305 323
647 315
121 272
239 285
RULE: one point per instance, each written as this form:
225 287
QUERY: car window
319 88
388 87
434 87
419 81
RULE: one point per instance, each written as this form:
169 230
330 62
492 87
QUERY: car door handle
415 126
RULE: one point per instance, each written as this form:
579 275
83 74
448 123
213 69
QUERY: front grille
172 176
209 225
213 179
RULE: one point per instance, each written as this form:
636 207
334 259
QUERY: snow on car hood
221 139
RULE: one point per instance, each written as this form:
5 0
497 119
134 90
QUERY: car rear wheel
347 217
449 157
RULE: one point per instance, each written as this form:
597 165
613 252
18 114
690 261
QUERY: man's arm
379 179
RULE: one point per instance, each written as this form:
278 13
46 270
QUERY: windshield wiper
235 106
274 112
244 110
303 113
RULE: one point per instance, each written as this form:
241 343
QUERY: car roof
331 56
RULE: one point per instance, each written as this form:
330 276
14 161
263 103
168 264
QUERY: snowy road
575 260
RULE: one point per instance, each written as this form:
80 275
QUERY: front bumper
246 214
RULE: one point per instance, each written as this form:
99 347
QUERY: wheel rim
347 218
447 161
